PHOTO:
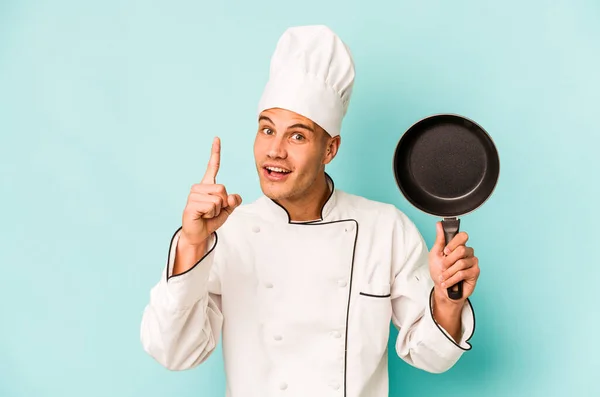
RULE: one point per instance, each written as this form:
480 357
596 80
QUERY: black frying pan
447 166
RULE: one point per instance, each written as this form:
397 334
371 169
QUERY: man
302 283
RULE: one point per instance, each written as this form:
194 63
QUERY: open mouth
277 171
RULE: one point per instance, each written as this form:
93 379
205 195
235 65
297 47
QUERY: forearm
447 313
181 323
179 338
187 255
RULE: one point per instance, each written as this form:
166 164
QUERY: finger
211 189
461 264
234 201
461 275
214 163
201 198
460 239
439 243
460 252
202 209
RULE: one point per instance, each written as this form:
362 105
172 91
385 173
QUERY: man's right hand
208 207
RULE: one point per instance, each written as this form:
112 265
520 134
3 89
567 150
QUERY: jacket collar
281 214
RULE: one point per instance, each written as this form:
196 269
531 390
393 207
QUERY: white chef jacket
304 309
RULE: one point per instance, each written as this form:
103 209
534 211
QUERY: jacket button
335 385
336 334
277 337
256 229
283 386
342 283
268 285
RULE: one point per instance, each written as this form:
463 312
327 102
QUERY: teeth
277 169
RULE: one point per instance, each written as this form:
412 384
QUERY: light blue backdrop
107 111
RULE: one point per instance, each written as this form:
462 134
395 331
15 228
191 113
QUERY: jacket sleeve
421 341
182 322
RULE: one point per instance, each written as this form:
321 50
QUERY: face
290 152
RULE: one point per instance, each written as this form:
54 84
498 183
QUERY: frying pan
446 165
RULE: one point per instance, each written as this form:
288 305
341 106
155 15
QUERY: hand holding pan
447 166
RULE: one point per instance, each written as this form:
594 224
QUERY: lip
273 177
275 166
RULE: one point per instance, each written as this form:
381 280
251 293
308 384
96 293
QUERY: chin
274 191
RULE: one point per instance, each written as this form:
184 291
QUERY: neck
308 207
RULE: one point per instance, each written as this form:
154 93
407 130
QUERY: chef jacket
304 308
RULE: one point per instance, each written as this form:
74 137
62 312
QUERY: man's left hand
450 263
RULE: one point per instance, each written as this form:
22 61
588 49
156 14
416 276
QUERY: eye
298 137
267 131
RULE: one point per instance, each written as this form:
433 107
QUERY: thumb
233 201
440 240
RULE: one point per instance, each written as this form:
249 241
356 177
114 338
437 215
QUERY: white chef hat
312 74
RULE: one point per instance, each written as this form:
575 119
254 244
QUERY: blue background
107 112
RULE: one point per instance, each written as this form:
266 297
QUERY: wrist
192 242
184 245
445 304
188 254
447 313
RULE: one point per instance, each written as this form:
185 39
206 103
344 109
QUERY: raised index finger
213 164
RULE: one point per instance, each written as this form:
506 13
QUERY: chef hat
312 74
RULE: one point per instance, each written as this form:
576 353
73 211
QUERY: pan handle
451 227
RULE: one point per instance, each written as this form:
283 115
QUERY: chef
301 285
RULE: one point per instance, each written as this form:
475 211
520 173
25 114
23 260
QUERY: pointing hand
208 205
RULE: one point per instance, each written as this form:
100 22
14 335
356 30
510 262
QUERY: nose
277 149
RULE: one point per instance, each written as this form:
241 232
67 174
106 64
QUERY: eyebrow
297 125
300 125
266 119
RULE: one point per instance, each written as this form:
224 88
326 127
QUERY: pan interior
446 166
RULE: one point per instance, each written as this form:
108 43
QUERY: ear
331 149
